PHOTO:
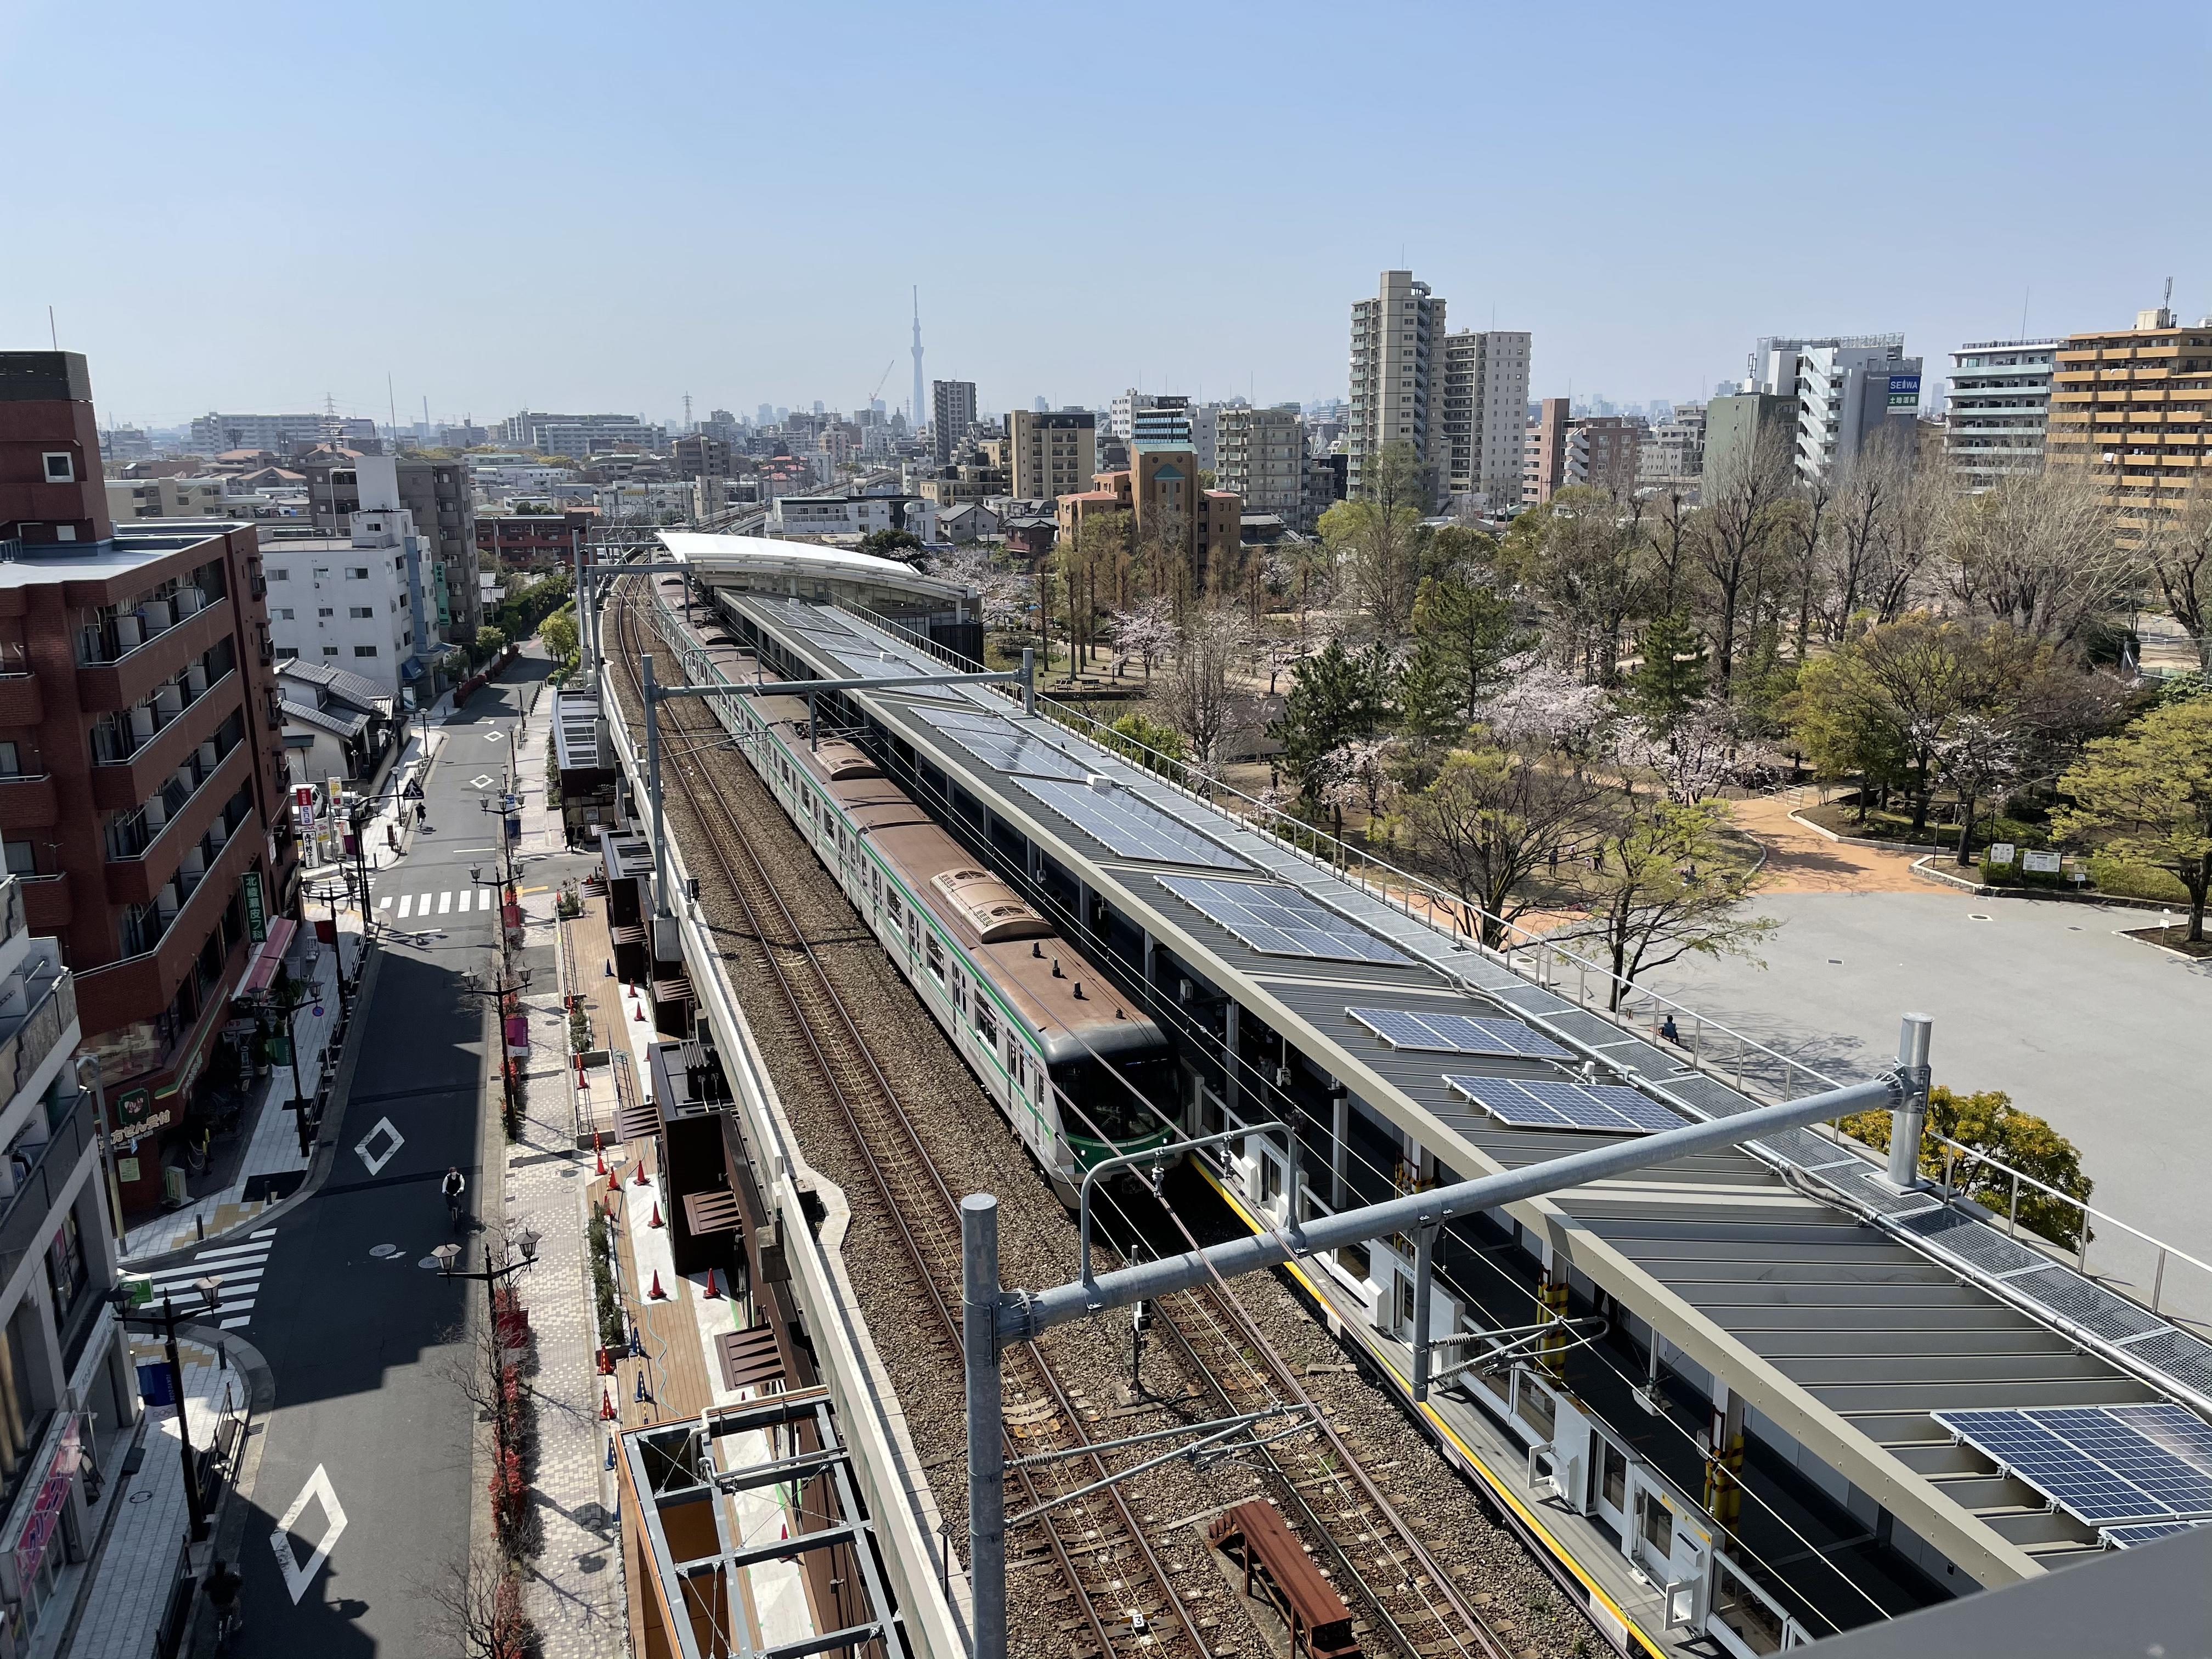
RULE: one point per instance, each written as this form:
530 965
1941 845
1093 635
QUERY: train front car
1113 1074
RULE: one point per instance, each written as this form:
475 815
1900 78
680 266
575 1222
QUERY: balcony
53 1150
158 959
143 856
132 674
47 906
27 802
21 702
131 760
29 1036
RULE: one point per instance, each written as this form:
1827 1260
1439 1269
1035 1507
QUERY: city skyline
1630 286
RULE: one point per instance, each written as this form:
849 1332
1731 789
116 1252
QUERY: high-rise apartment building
280 435
1259 456
1482 424
1544 463
1051 453
1672 454
1164 420
438 494
148 817
952 412
1997 411
1737 427
2132 403
1851 390
1395 346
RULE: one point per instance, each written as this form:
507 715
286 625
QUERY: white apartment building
1850 390
68 1396
357 602
1395 338
1673 456
1997 411
1483 411
849 515
130 499
1259 455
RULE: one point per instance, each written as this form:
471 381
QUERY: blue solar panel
1000 747
1126 824
1280 921
2126 1538
1457 1033
2100 1463
1545 1104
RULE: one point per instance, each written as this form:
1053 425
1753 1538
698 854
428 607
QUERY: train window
987 1023
936 955
913 931
1615 1462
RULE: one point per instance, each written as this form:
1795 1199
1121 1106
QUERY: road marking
482 780
423 905
385 903
234 1324
376 1162
484 902
406 903
381 1251
297 1577
495 737
445 902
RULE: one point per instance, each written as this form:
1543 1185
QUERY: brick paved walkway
574 1595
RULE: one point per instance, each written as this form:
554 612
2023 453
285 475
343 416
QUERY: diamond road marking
296 1576
376 1161
483 781
495 737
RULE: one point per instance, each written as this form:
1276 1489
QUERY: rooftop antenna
392 402
54 334
2024 293
687 411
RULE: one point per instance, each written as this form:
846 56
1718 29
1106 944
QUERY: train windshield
1130 1100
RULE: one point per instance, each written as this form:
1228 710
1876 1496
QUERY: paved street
2107 1038
356 1330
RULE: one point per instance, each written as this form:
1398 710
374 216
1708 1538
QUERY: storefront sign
257 918
54 1497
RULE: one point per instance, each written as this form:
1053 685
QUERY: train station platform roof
807 571
1843 1311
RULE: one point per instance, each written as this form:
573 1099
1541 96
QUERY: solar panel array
2100 1464
1124 824
1000 747
1603 1107
1457 1034
1280 921
2126 1538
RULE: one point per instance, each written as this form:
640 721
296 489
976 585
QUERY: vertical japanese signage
257 918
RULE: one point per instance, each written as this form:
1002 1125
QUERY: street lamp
448 1254
165 1321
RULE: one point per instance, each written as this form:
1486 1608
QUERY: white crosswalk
425 904
238 1267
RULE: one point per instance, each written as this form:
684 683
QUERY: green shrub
611 1334
2110 875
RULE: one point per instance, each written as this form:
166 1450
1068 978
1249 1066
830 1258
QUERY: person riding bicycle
222 1587
453 1186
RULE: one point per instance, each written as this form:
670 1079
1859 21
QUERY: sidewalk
272 1151
142 1520
574 1592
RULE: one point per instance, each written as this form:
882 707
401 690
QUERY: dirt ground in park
1802 860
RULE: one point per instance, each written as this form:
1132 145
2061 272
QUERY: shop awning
269 957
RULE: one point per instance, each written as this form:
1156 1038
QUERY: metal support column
1232 1047
653 785
1029 679
1425 1261
1910 1116
1340 1131
987 1475
583 617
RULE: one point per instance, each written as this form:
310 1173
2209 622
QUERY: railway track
1128 1591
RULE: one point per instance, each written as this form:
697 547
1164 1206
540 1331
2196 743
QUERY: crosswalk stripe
445 902
423 904
234 1324
483 900
385 903
224 1252
202 1269
406 902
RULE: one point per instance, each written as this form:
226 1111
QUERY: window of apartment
364 610
324 610
357 573
22 857
10 762
60 466
284 615
330 651
364 651
67 1274
275 574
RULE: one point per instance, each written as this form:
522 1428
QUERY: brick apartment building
531 541
142 797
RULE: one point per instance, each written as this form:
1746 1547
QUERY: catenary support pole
986 1481
1909 1115
1425 1261
1029 679
583 608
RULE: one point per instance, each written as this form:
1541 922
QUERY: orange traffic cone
656 1294
639 1017
606 1407
641 1181
712 1295
656 1220
597 1155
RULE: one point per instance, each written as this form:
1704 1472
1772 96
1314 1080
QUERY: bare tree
1493 818
1745 497
473 1608
1379 540
1196 694
2040 552
1672 529
1866 499
2178 553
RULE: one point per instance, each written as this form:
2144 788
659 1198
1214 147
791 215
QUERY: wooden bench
1253 1535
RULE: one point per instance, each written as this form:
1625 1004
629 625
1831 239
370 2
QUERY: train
1078 1070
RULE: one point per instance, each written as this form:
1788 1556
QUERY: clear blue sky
585 207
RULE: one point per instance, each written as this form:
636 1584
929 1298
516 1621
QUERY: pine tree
1673 673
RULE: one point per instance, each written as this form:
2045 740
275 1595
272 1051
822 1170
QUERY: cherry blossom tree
1693 758
1146 631
1543 704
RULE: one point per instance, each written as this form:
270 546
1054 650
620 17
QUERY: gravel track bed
976 1150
